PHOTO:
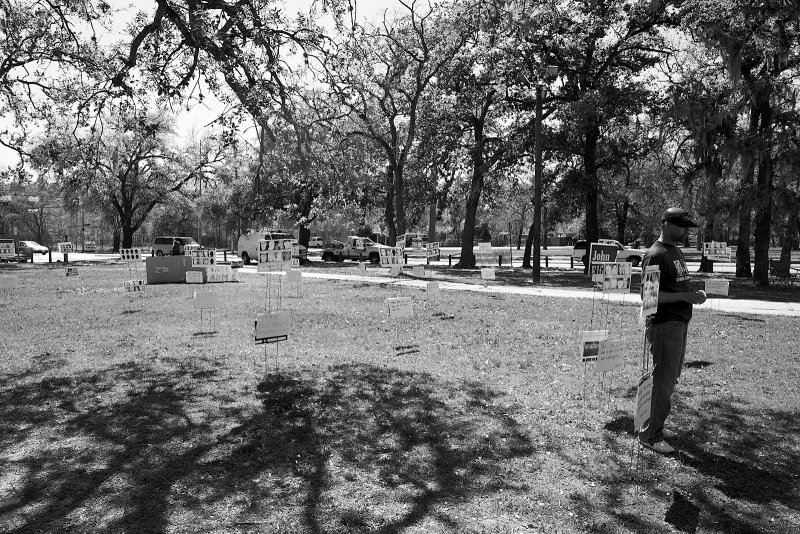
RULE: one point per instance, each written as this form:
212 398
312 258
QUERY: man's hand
697 297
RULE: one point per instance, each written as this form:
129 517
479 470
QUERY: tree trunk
432 222
127 235
388 211
622 220
790 233
467 260
591 187
763 218
400 214
526 257
745 195
713 170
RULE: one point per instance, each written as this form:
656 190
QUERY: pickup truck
353 248
633 255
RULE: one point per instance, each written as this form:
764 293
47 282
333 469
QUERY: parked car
317 242
162 245
30 248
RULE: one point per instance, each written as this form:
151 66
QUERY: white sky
371 10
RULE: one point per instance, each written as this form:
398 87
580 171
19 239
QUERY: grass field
126 415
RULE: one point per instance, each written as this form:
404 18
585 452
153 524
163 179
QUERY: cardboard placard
432 290
717 251
432 250
71 271
202 257
400 307
418 271
610 355
7 250
66 247
644 399
272 327
205 299
717 287
194 277
590 344
650 282
390 256
133 286
221 273
130 254
617 277
487 273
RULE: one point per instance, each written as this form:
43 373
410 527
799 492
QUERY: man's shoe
659 446
668 434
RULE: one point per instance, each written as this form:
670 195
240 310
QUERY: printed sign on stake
599 253
130 254
432 250
71 271
272 327
487 273
650 283
395 269
294 277
66 247
202 257
717 251
644 398
617 277
7 250
390 256
205 300
400 307
134 286
611 355
418 271
362 266
717 287
590 344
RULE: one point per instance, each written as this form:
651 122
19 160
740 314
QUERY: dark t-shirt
674 278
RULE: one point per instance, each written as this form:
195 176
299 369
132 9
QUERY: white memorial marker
717 287
644 397
487 273
611 355
590 344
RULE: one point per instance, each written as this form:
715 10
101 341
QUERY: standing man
666 330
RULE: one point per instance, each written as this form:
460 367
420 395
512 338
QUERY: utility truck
353 248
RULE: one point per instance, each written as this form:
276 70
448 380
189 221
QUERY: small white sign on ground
205 299
130 254
432 290
644 398
71 271
220 273
610 355
391 256
717 287
400 307
194 277
650 283
487 273
395 269
418 271
134 286
590 344
362 266
272 327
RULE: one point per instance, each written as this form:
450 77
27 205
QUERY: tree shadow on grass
360 448
734 459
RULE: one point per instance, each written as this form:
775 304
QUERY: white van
247 246
162 245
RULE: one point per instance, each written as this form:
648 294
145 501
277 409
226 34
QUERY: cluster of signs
612 277
392 258
201 257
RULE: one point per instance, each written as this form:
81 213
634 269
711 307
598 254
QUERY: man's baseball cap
678 217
